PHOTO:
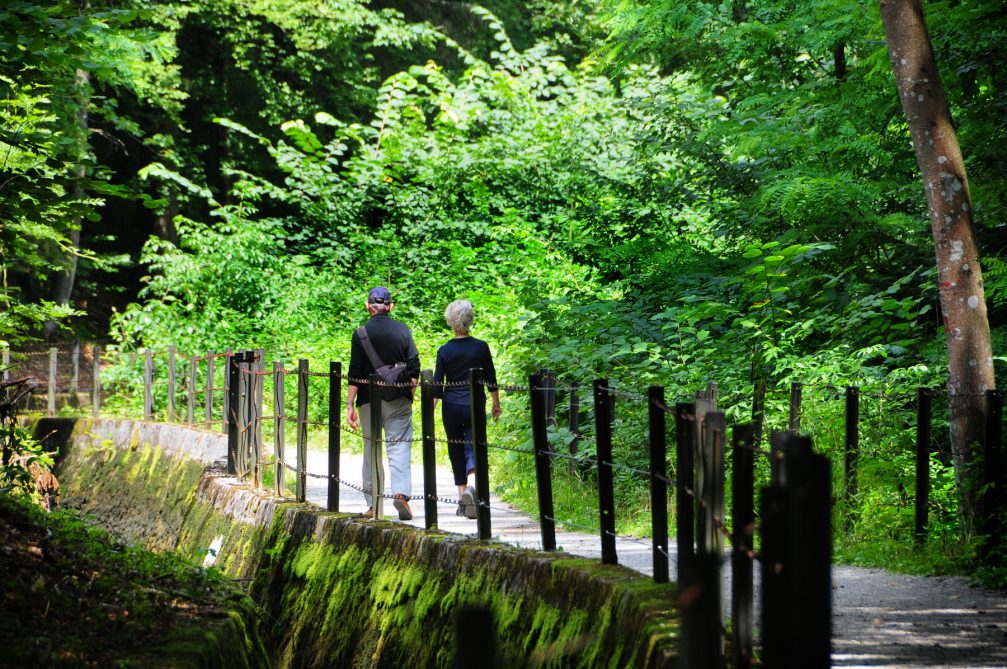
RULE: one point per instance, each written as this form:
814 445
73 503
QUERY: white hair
459 316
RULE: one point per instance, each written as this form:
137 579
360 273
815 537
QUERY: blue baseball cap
379 295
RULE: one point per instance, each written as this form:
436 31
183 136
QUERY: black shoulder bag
396 374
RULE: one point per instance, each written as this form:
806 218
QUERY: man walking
384 342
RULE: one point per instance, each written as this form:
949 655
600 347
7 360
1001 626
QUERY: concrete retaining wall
343 590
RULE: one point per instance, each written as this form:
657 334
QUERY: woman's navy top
454 360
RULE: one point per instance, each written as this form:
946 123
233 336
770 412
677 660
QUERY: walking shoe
468 503
460 511
369 512
402 506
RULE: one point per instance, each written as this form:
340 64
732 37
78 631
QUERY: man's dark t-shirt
393 342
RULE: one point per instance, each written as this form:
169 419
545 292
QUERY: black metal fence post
794 422
301 488
924 414
279 429
377 470
481 450
537 384
852 450
429 445
606 478
335 405
657 434
742 533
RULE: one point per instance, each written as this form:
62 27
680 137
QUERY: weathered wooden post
279 429
709 544
245 413
258 384
852 450
685 523
335 404
96 383
210 357
537 384
796 560
656 432
742 533
376 447
53 352
148 384
232 372
302 430
924 414
6 364
995 502
74 371
191 395
606 477
172 383
794 423
574 425
477 392
429 449
228 379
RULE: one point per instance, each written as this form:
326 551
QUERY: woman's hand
496 411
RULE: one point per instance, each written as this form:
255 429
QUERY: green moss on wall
340 590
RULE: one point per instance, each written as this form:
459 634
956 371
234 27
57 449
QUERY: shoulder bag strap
365 341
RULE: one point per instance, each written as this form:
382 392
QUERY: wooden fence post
96 383
210 363
685 523
74 371
794 423
429 449
279 429
148 384
924 414
191 394
995 502
376 447
258 385
245 412
574 426
742 533
231 373
852 451
228 379
302 430
477 393
537 384
335 413
172 383
797 557
53 353
657 435
6 364
606 479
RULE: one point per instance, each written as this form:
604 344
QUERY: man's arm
351 409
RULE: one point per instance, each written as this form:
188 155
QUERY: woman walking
454 360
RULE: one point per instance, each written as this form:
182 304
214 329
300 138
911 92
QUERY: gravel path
880 619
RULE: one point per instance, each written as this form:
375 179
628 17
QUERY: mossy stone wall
342 590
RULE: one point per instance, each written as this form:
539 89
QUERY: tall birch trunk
970 355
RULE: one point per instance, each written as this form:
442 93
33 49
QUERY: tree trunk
970 355
63 289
